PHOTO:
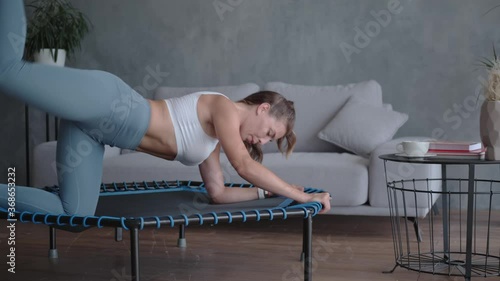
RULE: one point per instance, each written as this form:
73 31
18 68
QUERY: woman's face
262 127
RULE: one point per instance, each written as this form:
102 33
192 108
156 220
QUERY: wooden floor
344 248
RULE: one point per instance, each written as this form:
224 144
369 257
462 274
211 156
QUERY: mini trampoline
170 204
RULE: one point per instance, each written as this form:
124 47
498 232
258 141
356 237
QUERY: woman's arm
227 127
211 174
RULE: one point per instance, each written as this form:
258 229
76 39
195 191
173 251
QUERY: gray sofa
341 130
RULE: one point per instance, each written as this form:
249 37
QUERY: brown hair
281 109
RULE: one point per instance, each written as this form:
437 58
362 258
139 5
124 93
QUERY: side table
463 241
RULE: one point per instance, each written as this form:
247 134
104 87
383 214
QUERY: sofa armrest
377 193
111 151
44 172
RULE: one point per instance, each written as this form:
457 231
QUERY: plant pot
489 127
45 56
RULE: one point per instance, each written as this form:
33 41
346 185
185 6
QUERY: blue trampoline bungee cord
164 186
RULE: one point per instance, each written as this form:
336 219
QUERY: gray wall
423 53
424 56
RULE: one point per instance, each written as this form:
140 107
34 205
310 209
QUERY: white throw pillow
361 127
315 106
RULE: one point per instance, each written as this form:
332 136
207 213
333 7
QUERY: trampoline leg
304 241
308 248
134 247
52 241
181 243
118 234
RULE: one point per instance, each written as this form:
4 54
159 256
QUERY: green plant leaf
486 62
55 24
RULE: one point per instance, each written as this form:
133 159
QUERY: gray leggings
95 107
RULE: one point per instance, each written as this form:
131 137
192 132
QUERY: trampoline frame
134 225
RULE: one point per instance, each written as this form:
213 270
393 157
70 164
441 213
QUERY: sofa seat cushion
343 175
144 167
44 163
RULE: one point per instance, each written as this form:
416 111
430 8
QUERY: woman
98 108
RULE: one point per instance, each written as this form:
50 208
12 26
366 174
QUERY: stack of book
457 150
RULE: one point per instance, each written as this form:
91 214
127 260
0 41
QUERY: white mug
413 148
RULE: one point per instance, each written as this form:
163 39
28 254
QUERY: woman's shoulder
216 103
214 106
213 97
194 97
199 93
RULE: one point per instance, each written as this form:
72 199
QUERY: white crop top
193 144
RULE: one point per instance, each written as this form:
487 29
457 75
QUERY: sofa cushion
44 171
235 92
315 106
144 167
344 175
361 127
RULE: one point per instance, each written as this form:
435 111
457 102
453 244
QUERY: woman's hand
323 198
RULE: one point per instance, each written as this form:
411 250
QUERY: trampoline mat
139 204
175 202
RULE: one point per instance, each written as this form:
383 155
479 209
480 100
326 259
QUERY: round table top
435 160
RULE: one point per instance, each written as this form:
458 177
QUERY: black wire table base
444 225
451 264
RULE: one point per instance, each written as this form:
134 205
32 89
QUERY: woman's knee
79 168
83 211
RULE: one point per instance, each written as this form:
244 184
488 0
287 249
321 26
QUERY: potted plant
55 31
489 121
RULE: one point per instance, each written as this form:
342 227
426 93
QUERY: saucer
415 156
